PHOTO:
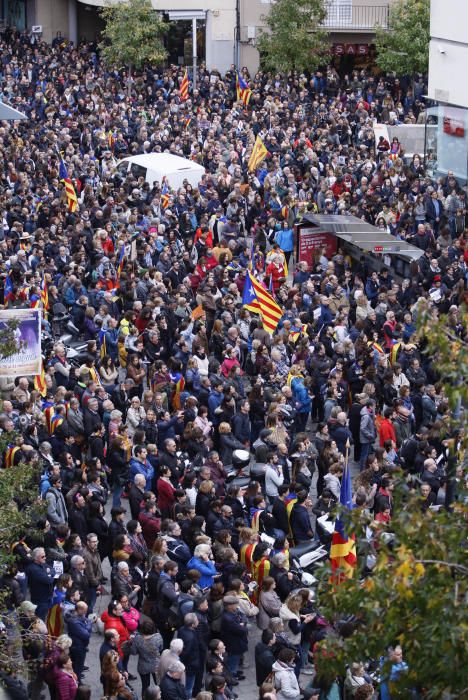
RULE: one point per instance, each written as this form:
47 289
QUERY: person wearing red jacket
386 429
165 491
113 619
150 523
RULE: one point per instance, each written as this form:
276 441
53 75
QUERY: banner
27 337
311 239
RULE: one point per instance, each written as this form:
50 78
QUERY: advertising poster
27 337
310 240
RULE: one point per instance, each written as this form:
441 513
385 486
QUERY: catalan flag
54 621
243 91
121 261
72 199
249 298
343 546
10 454
270 312
111 141
49 412
296 333
40 383
259 153
35 300
165 196
179 387
45 296
55 421
102 344
8 293
184 87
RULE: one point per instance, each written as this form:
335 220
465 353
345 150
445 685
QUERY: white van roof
165 163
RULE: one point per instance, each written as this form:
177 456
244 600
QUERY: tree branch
449 564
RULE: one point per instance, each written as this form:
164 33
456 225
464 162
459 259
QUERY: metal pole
194 54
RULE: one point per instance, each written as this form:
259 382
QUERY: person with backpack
166 614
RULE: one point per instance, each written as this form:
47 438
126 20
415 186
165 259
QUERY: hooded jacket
367 429
287 687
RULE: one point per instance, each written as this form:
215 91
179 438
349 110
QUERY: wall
53 15
448 52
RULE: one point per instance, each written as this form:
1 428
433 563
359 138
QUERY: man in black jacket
136 494
279 510
171 686
264 657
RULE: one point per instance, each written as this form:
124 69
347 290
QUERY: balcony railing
351 17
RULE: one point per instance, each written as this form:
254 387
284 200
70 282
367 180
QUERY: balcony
349 17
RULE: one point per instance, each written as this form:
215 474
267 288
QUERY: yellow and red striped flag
184 86
343 545
258 154
40 383
270 312
72 199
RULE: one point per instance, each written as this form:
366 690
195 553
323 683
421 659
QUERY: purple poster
22 328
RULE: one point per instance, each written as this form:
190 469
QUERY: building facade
228 30
448 60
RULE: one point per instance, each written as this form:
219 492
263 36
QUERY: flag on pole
258 154
8 293
102 343
40 382
184 86
72 199
165 196
249 298
121 261
179 387
270 312
45 297
111 141
343 546
243 91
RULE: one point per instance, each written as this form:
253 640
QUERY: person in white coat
274 477
286 684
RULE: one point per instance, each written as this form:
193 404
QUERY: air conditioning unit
251 32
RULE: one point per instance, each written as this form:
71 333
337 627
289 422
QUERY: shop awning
363 235
9 113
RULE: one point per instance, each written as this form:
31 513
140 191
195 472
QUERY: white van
154 166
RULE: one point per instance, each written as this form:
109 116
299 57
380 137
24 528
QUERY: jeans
78 657
365 451
116 494
92 596
232 662
189 683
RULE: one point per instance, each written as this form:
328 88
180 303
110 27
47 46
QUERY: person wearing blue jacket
202 562
303 402
285 239
41 582
140 465
79 630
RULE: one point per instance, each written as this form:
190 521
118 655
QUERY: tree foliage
294 39
417 593
404 47
133 35
8 343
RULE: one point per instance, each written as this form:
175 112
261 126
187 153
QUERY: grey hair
176 646
176 667
122 565
35 552
201 549
190 619
75 560
279 559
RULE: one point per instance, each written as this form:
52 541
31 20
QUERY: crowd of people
133 447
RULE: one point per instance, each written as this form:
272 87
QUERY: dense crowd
134 466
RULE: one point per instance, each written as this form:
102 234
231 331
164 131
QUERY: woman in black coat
98 525
227 444
118 464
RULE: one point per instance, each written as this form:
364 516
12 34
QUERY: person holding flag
72 200
343 546
243 92
259 153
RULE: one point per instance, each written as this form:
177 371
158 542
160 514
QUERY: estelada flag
54 621
270 312
72 199
343 546
258 154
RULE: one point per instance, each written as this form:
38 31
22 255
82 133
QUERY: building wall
53 16
448 52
